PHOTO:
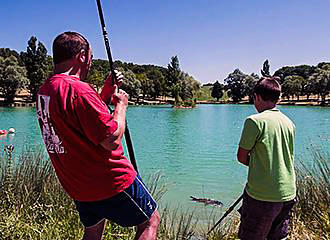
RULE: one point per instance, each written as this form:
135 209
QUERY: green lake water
195 149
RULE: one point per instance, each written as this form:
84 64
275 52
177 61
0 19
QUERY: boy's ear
279 99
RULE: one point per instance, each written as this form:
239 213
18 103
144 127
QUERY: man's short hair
268 88
67 45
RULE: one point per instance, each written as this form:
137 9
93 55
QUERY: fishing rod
112 70
226 213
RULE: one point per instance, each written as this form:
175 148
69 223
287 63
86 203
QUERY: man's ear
82 56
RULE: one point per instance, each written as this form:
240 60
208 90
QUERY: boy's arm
243 156
247 142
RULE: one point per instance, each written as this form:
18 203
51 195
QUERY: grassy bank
311 215
34 206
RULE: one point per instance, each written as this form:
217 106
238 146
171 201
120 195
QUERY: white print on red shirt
52 141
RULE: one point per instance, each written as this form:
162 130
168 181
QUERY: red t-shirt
74 121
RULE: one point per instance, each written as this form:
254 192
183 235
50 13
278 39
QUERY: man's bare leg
95 232
148 230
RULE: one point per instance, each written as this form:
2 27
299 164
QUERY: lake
195 149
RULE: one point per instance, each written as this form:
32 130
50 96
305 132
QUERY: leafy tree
304 90
154 79
217 90
235 83
50 65
188 85
304 71
310 87
292 86
196 85
96 78
180 84
265 69
250 82
321 78
131 84
324 66
98 73
12 77
36 64
145 83
6 52
174 76
157 81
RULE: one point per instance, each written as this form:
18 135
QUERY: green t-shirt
270 137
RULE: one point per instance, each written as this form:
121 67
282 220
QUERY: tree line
149 81
296 81
28 69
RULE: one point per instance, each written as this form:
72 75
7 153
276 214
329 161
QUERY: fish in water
206 201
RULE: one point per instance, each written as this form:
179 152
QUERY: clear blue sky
210 37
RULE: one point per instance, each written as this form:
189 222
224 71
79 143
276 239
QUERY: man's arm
120 99
243 156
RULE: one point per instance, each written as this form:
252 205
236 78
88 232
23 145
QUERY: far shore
19 103
282 102
23 100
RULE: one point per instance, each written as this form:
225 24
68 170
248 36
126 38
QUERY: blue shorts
131 207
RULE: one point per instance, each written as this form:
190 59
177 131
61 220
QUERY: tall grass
37 207
34 206
311 215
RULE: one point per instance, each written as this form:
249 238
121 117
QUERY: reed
311 214
37 207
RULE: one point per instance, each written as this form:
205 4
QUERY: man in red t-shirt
84 142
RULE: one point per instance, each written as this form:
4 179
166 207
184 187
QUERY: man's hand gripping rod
107 46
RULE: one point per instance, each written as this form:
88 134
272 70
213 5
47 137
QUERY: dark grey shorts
261 220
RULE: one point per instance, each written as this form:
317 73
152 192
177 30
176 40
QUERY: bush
185 104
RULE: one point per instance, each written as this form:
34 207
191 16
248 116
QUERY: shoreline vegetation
33 205
22 99
24 73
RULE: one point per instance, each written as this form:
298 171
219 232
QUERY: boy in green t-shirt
267 148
